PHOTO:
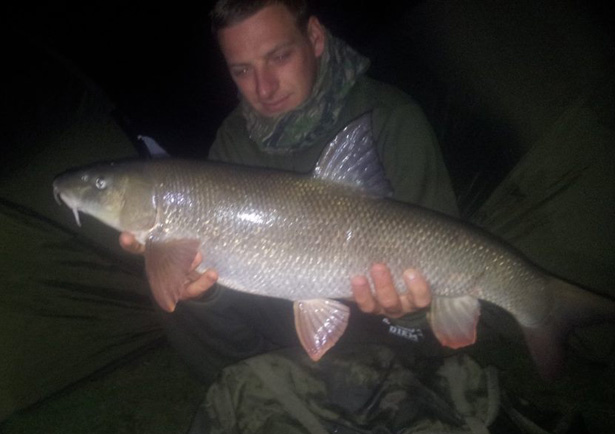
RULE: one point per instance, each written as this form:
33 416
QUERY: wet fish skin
292 236
313 235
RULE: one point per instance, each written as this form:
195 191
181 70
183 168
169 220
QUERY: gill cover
122 192
139 209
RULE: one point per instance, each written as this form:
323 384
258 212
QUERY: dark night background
159 62
490 75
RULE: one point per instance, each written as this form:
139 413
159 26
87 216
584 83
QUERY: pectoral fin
320 323
166 265
454 319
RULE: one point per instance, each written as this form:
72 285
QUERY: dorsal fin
352 160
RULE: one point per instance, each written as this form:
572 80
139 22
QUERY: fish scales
300 238
303 237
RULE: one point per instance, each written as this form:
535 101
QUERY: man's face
272 62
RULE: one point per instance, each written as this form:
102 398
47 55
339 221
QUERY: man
299 88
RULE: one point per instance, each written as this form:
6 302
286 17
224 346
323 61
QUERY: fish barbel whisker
76 214
57 195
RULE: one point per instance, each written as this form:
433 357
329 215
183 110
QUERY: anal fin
319 324
167 265
454 319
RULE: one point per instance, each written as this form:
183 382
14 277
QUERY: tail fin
573 307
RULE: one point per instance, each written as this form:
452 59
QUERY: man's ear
317 35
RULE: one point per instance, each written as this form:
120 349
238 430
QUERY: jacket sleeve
228 326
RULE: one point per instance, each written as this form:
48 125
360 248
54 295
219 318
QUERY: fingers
362 292
384 299
385 292
129 243
198 283
197 260
419 294
199 286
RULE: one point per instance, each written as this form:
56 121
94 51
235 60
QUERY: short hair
225 13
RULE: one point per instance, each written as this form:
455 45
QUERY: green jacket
403 138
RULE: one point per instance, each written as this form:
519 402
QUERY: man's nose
266 83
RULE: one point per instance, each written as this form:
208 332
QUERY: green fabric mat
152 393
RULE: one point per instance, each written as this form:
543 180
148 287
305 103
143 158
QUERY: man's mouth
275 106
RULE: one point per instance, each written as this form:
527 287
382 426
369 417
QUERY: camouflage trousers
362 390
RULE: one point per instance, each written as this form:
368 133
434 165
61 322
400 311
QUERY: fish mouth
61 197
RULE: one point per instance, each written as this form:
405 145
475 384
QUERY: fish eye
100 183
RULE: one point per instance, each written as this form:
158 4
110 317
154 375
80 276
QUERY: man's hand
129 243
196 284
385 300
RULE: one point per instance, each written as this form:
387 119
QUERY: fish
303 236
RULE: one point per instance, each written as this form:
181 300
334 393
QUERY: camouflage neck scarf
338 70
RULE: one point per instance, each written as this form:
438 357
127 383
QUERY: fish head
119 195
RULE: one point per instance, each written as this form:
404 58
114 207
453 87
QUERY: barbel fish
302 237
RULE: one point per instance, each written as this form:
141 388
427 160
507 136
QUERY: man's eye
281 57
239 72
